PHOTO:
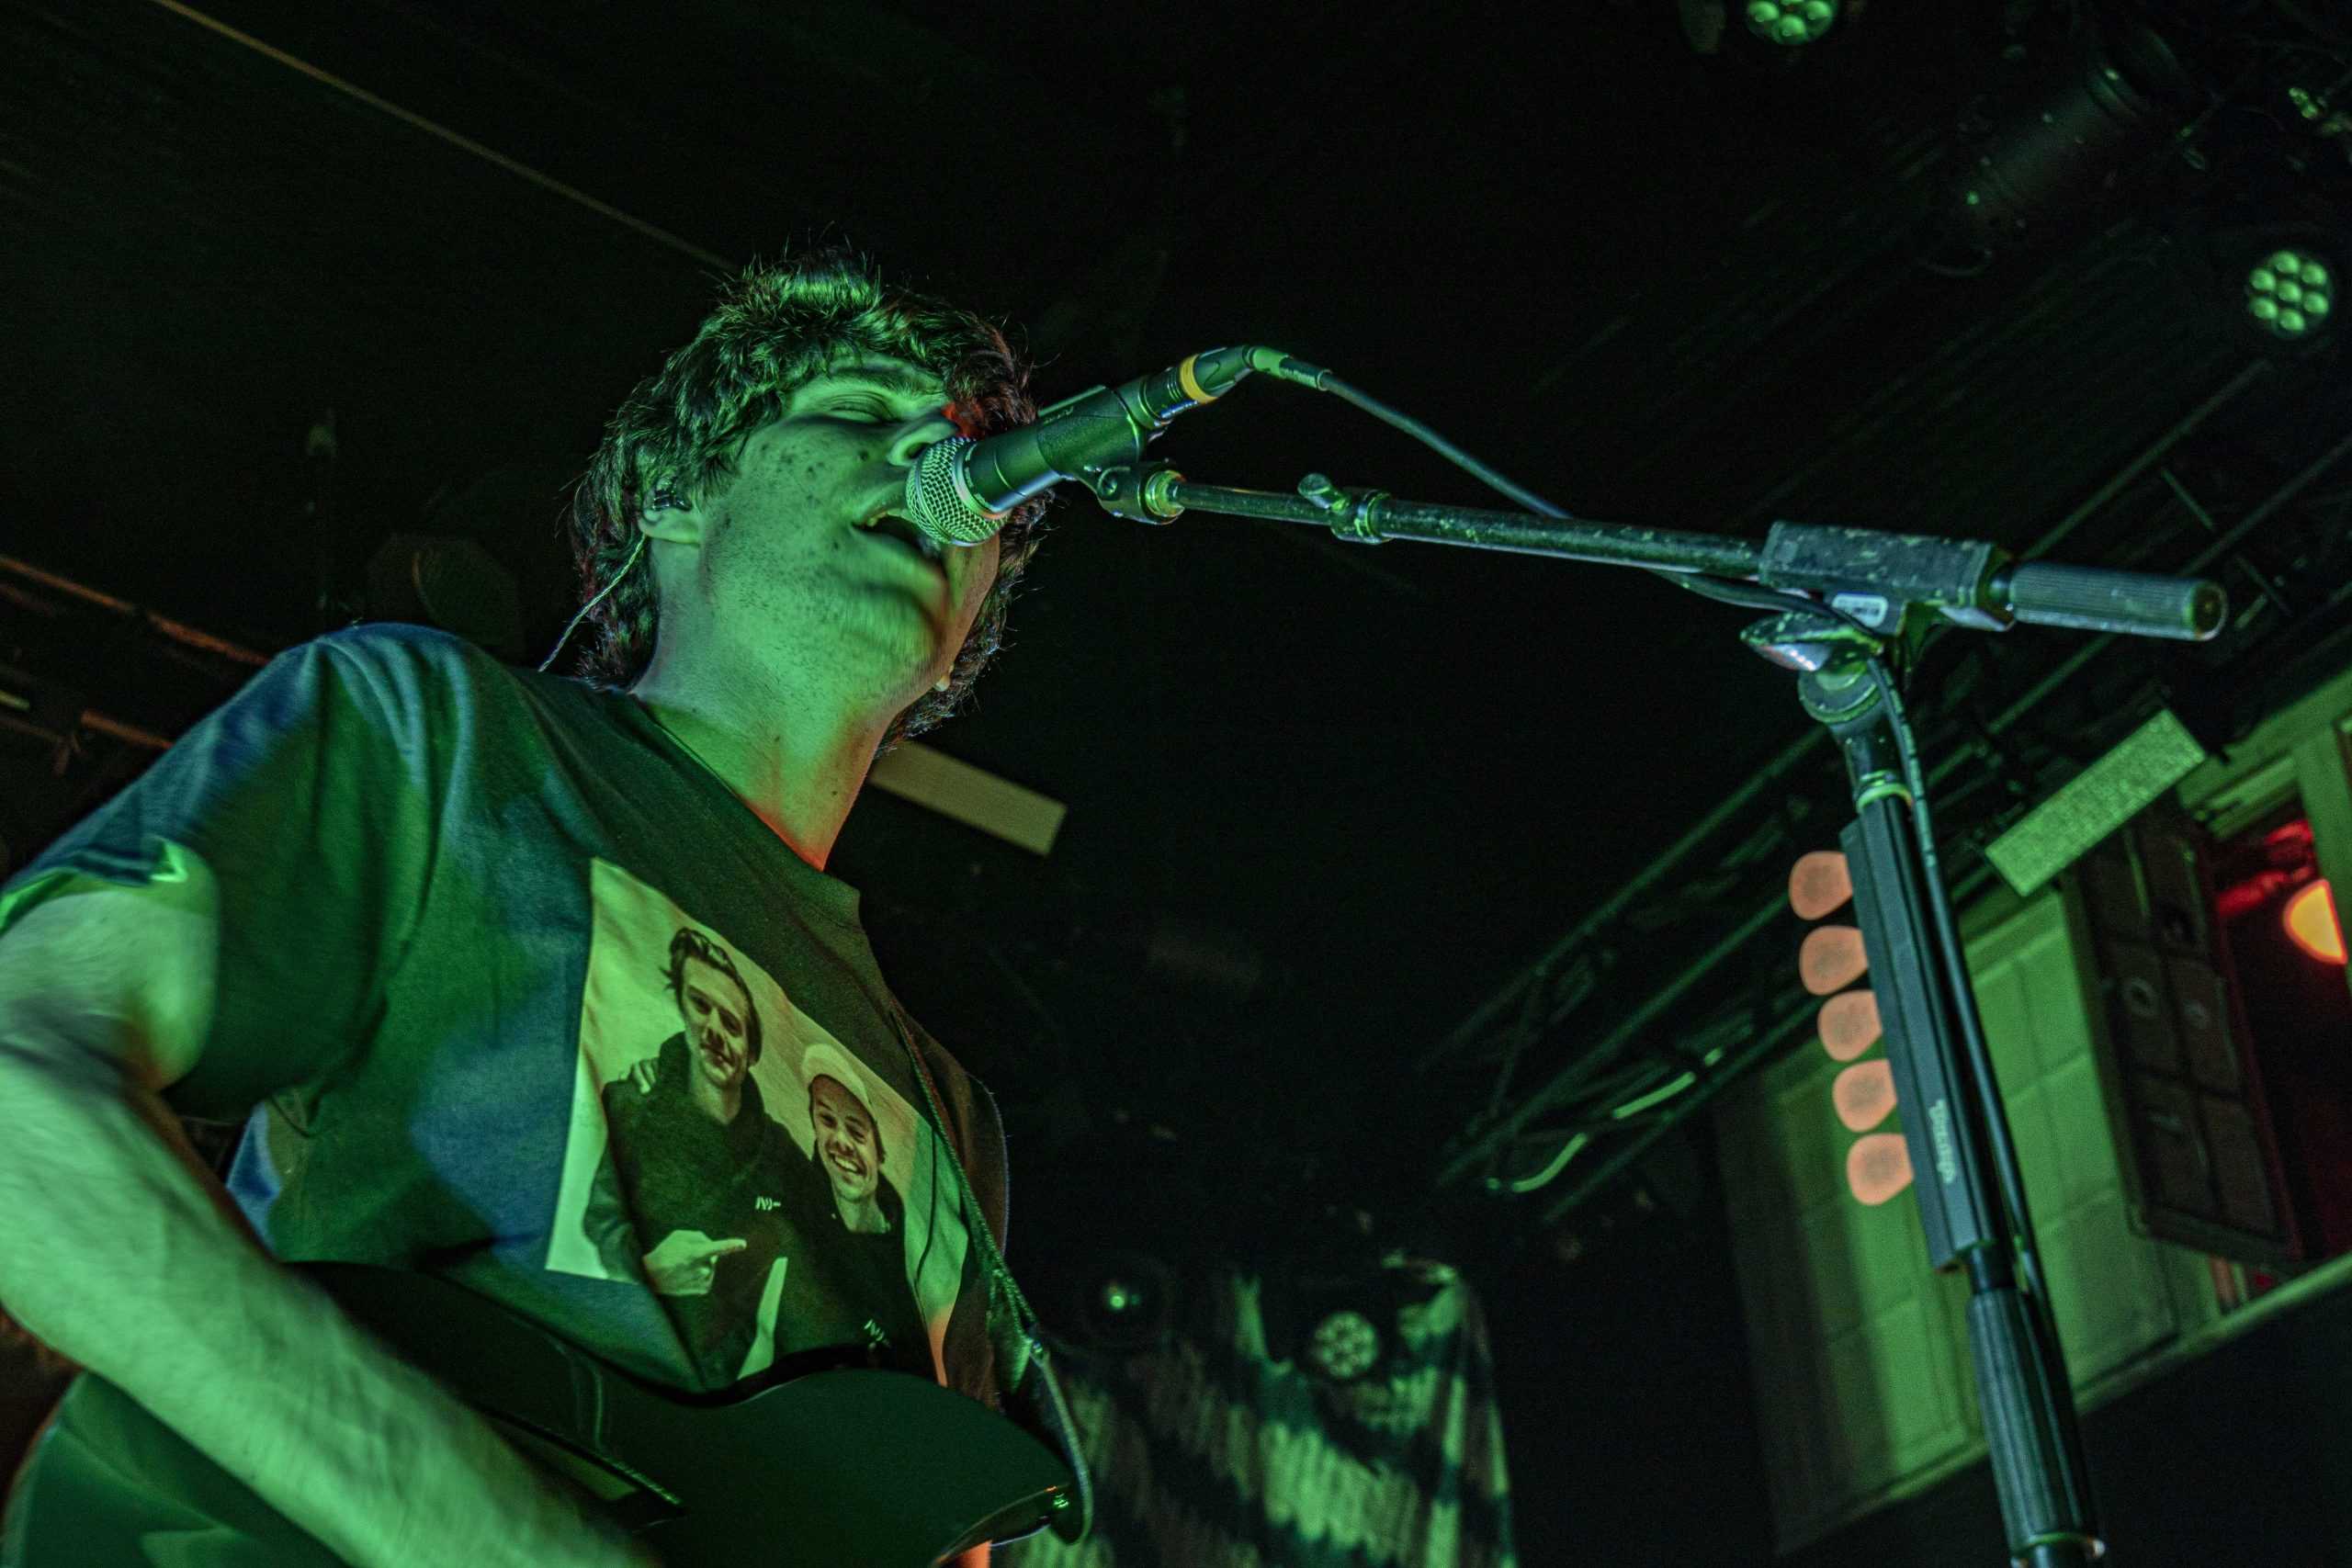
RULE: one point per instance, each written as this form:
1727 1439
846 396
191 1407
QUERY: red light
2288 854
2309 920
2290 845
2250 895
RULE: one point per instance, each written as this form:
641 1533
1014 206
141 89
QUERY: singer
427 913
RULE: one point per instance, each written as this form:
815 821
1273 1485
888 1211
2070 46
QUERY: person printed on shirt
849 1207
691 1154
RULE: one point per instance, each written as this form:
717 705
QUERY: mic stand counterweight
1847 594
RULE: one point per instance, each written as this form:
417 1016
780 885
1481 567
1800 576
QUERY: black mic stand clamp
1928 1013
1136 492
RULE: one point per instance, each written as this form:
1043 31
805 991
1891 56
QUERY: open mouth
890 526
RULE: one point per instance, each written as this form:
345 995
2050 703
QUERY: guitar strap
1014 1329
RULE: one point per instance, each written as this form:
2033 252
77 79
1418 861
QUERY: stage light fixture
2290 293
2061 157
1344 1345
2310 921
1127 1301
1791 23
2268 264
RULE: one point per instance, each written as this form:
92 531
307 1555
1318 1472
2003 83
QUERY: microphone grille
937 500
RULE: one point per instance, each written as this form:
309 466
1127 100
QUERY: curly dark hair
777 327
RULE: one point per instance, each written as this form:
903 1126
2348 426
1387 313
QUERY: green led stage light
1125 1302
1345 1346
1790 24
2290 293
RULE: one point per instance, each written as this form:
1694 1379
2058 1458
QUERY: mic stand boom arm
1858 573
1850 594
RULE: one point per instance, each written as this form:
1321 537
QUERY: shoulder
786 1149
396 658
421 679
667 1065
384 666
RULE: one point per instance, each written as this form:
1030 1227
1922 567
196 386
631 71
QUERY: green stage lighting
1793 23
1345 1346
2289 293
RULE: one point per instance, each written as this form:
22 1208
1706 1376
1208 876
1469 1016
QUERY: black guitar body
843 1467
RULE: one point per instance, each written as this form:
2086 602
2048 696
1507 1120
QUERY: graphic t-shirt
674 1167
516 993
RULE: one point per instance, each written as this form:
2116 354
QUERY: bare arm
121 1252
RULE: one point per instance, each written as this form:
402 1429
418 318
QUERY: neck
719 1104
864 1217
794 751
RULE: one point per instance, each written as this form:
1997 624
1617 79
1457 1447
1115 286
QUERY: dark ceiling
1658 286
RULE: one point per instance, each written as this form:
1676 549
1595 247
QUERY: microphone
961 489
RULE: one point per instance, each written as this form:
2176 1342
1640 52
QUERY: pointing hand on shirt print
685 1263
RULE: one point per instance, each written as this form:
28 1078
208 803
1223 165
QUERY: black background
1696 292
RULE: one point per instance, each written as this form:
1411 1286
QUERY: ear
666 516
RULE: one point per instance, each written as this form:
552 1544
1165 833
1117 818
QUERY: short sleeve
312 798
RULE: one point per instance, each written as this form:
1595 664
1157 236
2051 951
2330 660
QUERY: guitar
824 1465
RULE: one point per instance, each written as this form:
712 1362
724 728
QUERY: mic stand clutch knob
1141 494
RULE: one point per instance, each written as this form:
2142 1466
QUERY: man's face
716 1013
845 1140
784 566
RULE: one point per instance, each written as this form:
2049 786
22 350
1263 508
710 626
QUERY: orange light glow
1819 883
1878 1167
2310 918
1831 958
1864 1094
1848 1024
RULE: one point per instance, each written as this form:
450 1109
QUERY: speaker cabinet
2194 1074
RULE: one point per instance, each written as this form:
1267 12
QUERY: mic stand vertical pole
1928 1013
320 450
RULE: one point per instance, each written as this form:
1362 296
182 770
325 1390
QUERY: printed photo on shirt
730 1155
